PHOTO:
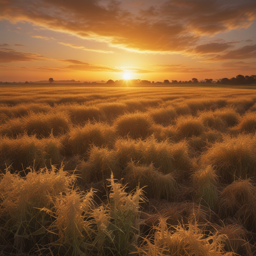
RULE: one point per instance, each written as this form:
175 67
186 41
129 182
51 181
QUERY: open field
114 171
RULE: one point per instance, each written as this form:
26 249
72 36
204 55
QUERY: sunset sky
91 40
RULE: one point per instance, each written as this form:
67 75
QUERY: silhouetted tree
51 80
166 81
208 81
174 81
194 80
225 81
240 79
110 82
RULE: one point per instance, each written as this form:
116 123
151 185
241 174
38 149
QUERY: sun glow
127 76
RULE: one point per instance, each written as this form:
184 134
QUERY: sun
127 76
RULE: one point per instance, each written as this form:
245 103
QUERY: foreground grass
184 160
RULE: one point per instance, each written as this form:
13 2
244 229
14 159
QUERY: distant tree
240 79
110 82
26 82
174 81
225 81
166 81
51 80
194 80
233 80
250 80
145 82
208 81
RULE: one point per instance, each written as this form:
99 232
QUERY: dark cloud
162 26
245 52
83 66
212 48
4 45
9 55
80 65
18 44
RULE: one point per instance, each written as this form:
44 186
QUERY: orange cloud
165 26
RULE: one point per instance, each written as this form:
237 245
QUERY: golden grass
189 126
248 123
26 151
191 149
40 124
205 185
154 183
233 158
80 139
238 200
135 125
183 240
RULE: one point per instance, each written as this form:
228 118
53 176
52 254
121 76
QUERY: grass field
127 171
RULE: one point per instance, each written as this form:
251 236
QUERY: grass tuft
135 125
154 183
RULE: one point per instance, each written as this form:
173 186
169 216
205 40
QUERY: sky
94 40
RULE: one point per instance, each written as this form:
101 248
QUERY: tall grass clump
205 183
112 110
21 201
248 123
237 239
21 110
165 156
163 116
73 222
241 105
80 139
238 200
29 151
135 125
212 121
228 115
41 125
183 240
81 114
182 109
154 183
188 126
203 142
124 211
100 164
233 158
162 133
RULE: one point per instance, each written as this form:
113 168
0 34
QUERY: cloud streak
246 52
9 55
84 48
